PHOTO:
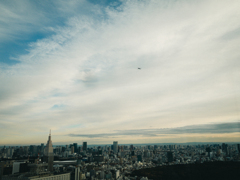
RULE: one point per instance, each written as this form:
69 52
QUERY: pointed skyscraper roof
48 152
49 146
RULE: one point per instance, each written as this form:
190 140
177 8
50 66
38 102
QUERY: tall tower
75 147
115 147
84 146
48 153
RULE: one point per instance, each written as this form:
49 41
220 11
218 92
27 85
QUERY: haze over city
129 71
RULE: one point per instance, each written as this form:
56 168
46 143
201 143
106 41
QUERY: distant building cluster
115 162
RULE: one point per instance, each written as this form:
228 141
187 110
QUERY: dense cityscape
116 161
132 89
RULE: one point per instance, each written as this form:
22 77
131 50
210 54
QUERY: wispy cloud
198 129
19 19
187 51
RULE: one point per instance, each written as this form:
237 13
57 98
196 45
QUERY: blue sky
72 66
20 36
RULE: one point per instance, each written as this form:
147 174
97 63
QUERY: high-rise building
72 149
75 147
131 147
48 153
33 150
225 149
84 146
42 147
115 147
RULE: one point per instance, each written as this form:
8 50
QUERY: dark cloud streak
198 129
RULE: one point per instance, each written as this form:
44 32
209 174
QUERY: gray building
84 146
48 153
115 147
75 147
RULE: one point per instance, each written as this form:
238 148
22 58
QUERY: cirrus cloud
187 52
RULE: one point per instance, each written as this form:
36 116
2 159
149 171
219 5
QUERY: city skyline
84 144
119 162
129 71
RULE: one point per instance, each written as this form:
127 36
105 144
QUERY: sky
73 67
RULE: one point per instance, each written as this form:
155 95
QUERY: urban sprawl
74 162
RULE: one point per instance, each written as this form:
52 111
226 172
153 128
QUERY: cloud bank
198 129
83 77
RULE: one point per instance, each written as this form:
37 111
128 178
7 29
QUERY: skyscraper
48 153
75 147
84 146
42 146
115 147
72 149
131 147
